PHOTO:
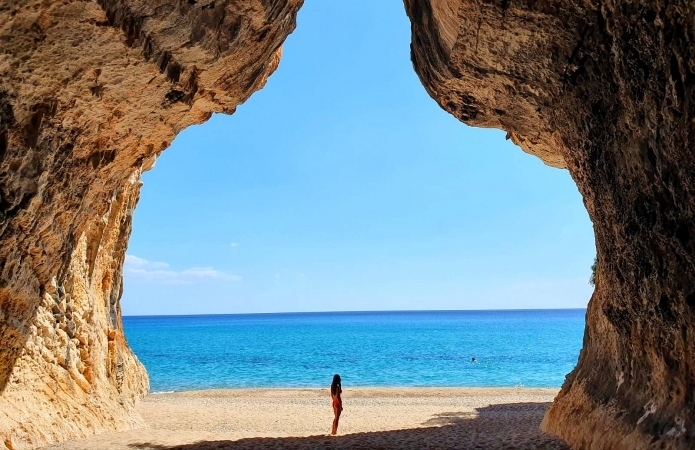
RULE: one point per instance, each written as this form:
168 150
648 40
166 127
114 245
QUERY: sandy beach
412 418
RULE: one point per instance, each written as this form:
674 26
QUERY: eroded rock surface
90 93
606 89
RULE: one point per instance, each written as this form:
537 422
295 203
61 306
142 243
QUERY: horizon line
353 312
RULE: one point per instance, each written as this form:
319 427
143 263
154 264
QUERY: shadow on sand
501 426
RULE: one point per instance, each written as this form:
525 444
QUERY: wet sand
373 418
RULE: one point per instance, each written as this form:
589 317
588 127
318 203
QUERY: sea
524 348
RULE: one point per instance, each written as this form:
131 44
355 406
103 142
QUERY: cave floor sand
404 418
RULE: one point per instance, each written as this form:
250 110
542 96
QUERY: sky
342 186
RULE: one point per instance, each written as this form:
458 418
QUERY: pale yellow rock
90 93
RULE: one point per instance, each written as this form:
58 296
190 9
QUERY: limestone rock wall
607 90
90 93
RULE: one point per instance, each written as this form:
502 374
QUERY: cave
92 92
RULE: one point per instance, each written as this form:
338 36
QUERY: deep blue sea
532 348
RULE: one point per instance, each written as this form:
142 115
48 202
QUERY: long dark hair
335 386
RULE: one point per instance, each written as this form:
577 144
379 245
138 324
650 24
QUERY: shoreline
355 388
384 417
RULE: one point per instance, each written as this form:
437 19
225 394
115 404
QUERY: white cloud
159 272
141 263
235 244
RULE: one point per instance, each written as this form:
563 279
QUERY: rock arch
91 93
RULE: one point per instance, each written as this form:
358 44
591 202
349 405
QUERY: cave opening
92 92
341 186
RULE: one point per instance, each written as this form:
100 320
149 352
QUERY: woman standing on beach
336 390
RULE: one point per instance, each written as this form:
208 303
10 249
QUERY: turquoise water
533 348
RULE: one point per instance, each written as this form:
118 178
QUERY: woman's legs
336 413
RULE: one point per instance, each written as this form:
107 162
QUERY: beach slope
481 418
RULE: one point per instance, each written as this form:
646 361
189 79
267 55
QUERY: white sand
416 418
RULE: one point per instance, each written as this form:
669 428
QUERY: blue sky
343 186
